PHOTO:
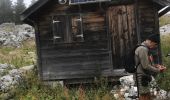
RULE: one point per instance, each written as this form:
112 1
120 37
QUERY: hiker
145 66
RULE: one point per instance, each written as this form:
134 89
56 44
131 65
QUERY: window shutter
58 29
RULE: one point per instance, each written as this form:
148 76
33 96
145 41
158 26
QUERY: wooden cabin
84 39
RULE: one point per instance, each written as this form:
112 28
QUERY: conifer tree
6 11
19 8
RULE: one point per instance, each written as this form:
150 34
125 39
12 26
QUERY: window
59 24
79 28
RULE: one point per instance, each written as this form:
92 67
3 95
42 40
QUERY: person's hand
157 66
162 68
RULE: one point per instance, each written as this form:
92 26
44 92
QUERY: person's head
153 41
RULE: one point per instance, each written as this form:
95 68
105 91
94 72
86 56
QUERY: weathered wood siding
73 59
122 30
148 18
149 23
110 30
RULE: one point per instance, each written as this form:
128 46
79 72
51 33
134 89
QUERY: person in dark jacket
146 65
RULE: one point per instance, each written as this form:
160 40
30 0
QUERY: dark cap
154 38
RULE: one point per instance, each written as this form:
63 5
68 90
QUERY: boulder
12 78
13 35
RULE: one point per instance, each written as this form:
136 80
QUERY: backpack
129 60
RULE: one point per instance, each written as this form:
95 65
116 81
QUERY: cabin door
122 30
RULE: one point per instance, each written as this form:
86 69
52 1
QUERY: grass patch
164 20
33 89
164 78
18 57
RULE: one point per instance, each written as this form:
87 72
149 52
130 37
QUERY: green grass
33 89
18 57
164 20
164 78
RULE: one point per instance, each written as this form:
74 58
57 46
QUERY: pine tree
6 11
33 1
19 8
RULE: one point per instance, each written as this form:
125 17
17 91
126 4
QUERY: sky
27 2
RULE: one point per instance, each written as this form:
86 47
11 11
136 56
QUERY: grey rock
4 66
14 77
13 35
165 30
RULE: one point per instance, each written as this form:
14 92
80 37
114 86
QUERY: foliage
164 20
18 57
164 78
33 89
6 11
19 8
10 12
33 1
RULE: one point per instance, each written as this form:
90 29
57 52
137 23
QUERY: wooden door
122 30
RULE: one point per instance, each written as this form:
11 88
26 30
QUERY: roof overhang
164 6
26 13
162 2
164 11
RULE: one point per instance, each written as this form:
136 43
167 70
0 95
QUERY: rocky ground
10 78
13 35
165 30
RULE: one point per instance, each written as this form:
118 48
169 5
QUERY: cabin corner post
157 30
38 51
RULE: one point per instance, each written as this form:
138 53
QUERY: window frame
68 35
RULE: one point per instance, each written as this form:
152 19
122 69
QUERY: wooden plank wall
70 60
122 29
148 18
149 24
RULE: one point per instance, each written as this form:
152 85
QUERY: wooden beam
164 11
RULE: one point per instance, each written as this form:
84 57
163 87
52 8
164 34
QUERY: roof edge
162 2
26 13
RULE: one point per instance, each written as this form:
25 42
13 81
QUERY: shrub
164 78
